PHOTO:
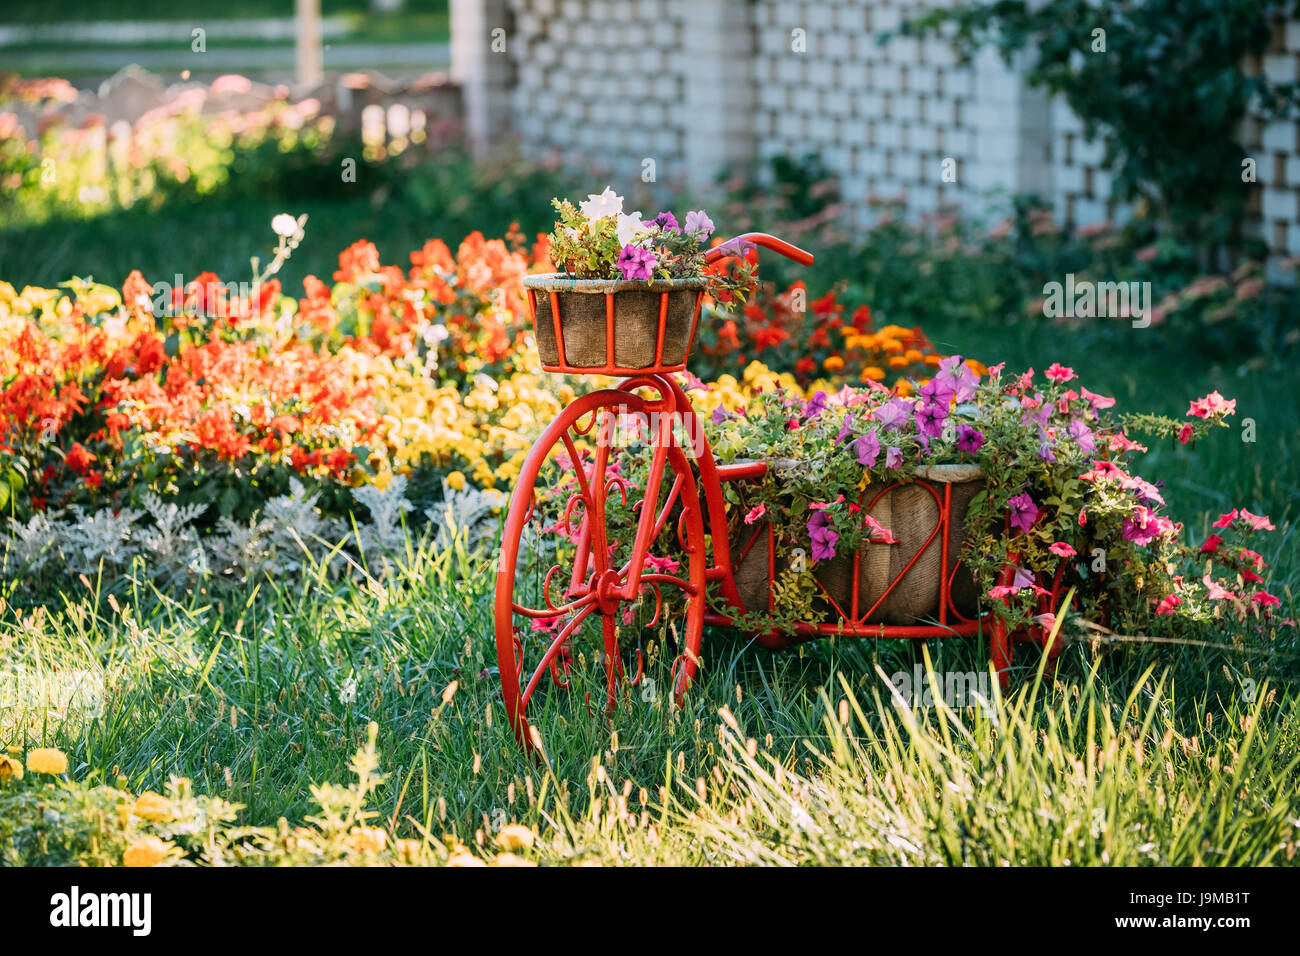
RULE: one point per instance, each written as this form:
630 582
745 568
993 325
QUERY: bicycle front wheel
601 579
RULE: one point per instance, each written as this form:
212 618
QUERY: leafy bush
1164 85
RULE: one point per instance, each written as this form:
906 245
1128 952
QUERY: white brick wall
704 85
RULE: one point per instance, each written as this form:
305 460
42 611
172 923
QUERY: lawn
1133 752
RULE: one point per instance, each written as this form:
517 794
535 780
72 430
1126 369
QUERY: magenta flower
663 565
815 405
868 449
969 439
636 263
929 419
939 391
1141 528
1023 512
822 537
699 224
665 220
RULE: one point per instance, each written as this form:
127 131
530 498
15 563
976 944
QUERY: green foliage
1165 90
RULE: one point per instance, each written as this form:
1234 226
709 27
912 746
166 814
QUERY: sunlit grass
1134 755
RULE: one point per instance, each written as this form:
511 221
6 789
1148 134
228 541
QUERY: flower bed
232 416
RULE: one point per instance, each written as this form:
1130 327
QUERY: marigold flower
146 851
47 760
509 859
10 769
153 806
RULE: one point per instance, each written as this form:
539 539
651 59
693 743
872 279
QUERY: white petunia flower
608 203
630 227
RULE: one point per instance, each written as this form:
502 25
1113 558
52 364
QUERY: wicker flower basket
614 326
912 513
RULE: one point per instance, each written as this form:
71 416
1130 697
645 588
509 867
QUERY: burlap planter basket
653 325
911 512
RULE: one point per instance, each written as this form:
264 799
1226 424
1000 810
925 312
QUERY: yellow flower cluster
483 434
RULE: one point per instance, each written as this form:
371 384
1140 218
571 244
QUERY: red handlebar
762 239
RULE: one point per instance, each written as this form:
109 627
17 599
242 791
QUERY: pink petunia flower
1167 604
1226 519
1059 373
879 533
1257 522
1217 592
755 513
1062 550
1212 404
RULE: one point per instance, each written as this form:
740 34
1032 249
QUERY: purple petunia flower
699 224
822 537
1023 512
815 405
666 220
969 439
1082 436
939 392
719 415
893 414
929 419
1045 452
868 449
846 429
636 263
893 457
959 379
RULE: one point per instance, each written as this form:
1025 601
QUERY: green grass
1140 755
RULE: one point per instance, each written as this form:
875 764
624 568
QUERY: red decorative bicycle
591 564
